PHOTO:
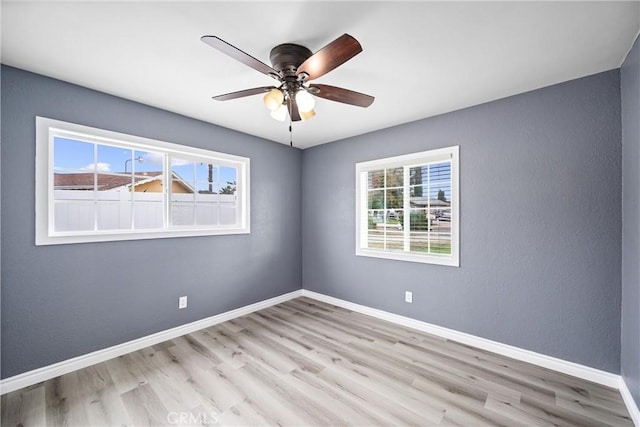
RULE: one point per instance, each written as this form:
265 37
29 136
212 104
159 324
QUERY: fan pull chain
290 125
290 136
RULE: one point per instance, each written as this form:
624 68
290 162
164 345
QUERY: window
95 185
407 207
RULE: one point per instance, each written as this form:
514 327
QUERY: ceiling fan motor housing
287 57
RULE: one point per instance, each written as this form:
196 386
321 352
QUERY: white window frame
47 129
407 161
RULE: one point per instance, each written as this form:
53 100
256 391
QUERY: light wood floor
307 363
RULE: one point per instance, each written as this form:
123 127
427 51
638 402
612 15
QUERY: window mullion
218 186
95 187
132 189
429 223
383 209
168 191
406 206
195 191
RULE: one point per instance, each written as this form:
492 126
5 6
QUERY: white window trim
46 129
447 153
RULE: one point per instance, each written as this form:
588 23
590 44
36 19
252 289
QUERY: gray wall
540 223
540 232
63 301
630 351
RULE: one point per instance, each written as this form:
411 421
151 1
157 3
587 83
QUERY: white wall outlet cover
182 302
408 296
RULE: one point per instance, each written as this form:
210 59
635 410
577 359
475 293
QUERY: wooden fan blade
294 113
330 57
338 94
243 93
237 54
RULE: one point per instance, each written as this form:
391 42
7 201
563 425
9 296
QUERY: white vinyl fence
124 210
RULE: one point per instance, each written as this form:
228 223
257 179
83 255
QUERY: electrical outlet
408 296
182 303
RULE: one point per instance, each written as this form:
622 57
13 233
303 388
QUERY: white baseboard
632 407
26 379
559 365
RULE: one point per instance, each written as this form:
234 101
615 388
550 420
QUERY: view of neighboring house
439 209
144 182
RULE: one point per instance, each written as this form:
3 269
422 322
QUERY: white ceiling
420 59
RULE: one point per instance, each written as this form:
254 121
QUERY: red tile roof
85 180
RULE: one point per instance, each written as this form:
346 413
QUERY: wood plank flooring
306 363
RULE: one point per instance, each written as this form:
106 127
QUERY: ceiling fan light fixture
280 113
305 101
273 99
293 66
306 115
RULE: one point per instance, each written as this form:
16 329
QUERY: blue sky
73 156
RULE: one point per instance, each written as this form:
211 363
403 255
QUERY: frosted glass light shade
273 99
280 114
305 101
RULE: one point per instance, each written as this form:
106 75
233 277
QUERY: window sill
447 260
107 236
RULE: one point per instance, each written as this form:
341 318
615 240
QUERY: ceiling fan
293 66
